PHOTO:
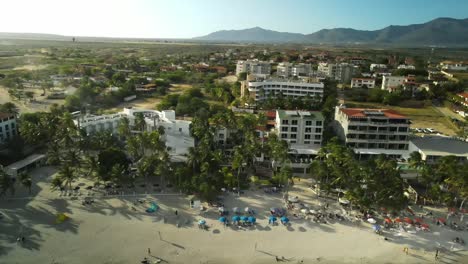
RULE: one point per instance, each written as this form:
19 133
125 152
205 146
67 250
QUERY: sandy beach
115 230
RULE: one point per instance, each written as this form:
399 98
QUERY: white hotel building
286 69
253 67
177 132
360 82
260 89
373 131
303 131
8 127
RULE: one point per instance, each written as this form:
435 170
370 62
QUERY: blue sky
190 18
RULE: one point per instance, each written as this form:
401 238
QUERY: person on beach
149 251
437 255
405 250
176 212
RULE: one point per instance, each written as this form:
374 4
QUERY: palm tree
124 128
7 183
140 123
415 161
66 175
26 181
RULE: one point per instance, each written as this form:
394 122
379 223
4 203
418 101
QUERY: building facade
8 127
360 82
253 67
260 89
300 127
342 72
286 70
177 132
433 148
377 67
373 131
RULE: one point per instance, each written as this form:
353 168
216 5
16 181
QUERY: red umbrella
388 220
418 220
408 220
398 220
441 219
425 226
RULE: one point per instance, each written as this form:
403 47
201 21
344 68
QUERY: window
180 129
284 129
221 135
284 135
285 122
318 137
317 142
318 130
402 129
13 125
307 137
308 130
293 135
306 142
318 123
1 129
293 129
294 122
308 123
293 142
7 127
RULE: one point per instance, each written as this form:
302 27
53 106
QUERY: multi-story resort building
260 89
8 127
360 82
177 132
303 131
342 72
390 83
286 69
373 131
253 67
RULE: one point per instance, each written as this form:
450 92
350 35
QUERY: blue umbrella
236 218
244 218
252 219
222 219
272 219
284 219
376 227
202 222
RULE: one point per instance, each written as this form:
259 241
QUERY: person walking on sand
149 251
405 249
437 255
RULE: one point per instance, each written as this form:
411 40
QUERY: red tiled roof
5 115
270 114
464 95
359 112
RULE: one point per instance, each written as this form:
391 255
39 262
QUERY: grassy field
420 117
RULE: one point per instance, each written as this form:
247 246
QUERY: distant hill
35 36
440 31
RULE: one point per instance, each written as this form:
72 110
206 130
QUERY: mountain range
440 31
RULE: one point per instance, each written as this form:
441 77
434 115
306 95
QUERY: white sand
109 231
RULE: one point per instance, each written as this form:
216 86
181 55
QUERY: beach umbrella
222 219
388 220
418 220
408 220
246 209
284 219
441 219
252 219
272 219
376 227
236 218
244 218
202 222
398 220
425 226
371 220
235 210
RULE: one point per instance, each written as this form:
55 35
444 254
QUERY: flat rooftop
25 162
363 112
298 113
441 146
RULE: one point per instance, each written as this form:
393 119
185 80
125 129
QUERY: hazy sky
190 18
